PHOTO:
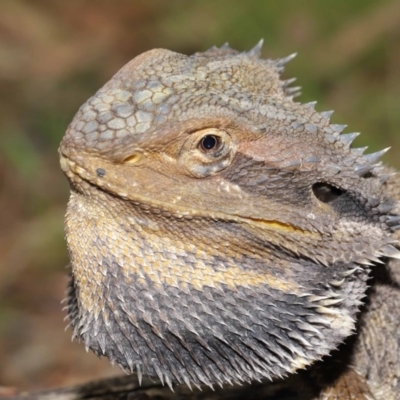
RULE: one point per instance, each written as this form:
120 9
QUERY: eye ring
209 143
207 151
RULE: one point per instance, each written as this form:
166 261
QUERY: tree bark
128 388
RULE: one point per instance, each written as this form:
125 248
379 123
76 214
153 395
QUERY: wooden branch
128 388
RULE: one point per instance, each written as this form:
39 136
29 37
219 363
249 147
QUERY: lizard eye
206 152
210 142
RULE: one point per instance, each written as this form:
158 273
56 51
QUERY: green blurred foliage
54 54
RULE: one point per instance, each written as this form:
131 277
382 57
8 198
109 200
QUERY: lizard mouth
69 167
72 170
276 225
64 162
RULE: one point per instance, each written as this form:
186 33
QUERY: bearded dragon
221 232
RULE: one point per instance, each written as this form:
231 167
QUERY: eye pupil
209 142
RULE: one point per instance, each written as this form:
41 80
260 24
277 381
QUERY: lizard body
218 230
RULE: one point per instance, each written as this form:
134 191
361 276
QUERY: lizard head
218 230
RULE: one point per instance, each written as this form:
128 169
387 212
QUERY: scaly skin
370 363
218 230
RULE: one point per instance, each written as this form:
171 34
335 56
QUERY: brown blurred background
54 54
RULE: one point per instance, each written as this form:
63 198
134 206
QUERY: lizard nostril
101 172
325 192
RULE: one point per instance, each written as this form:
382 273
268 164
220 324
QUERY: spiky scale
386 206
283 61
288 82
393 220
159 373
384 177
359 151
311 104
331 302
348 138
372 158
327 114
293 91
256 50
332 169
364 169
169 383
391 251
339 128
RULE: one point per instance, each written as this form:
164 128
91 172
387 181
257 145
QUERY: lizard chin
165 309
